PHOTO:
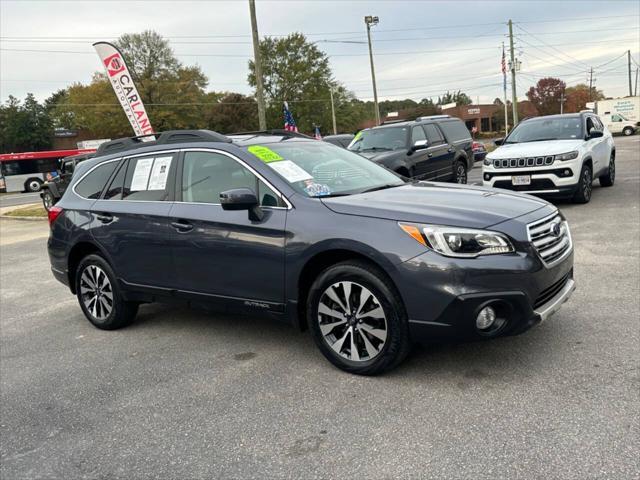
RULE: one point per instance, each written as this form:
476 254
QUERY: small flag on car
289 122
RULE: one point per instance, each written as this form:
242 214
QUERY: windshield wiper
542 139
375 149
381 187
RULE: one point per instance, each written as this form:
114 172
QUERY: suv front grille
551 238
523 162
550 292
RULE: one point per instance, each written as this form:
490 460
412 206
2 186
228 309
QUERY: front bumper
546 181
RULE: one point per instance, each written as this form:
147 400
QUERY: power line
553 47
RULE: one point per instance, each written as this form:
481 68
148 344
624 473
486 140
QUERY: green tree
459 98
24 126
298 72
233 112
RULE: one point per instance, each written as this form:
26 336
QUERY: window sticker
141 174
290 171
316 189
159 173
265 154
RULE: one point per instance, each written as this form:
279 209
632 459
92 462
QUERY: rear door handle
451 150
104 217
429 155
182 226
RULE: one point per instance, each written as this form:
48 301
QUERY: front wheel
99 295
627 131
585 185
47 200
607 179
33 185
357 319
460 173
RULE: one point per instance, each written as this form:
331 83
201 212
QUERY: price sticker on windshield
265 154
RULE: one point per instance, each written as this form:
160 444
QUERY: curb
28 219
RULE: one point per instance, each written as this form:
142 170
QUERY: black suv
436 148
53 190
310 234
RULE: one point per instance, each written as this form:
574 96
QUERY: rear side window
148 178
92 184
455 130
433 135
114 192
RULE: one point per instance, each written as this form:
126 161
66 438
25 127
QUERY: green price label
265 154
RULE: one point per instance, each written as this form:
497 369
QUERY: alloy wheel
352 321
96 292
612 169
461 174
47 199
587 183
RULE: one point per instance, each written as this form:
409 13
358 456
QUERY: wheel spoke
355 355
327 328
375 313
371 350
331 293
346 287
364 297
107 294
338 344
376 332
106 308
323 309
87 279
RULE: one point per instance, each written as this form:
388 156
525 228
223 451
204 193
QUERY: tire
627 131
102 312
47 200
380 335
460 173
585 185
33 185
609 178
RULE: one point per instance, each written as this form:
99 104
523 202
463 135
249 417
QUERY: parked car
342 140
479 151
618 123
429 148
310 234
555 156
53 189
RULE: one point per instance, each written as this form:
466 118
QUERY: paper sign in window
159 173
290 171
141 174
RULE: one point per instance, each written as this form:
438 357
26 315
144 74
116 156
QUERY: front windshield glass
318 169
379 139
540 129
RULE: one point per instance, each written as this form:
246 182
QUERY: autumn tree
546 95
578 96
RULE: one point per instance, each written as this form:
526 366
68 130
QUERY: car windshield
540 129
380 139
319 169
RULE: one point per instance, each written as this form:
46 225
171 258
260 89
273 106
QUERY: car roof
564 115
418 121
248 139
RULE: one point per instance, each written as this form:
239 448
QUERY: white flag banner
125 89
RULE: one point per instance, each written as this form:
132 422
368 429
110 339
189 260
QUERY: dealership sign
123 86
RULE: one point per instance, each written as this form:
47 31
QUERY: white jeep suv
553 156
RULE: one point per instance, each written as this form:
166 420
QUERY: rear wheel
357 319
33 185
460 173
607 179
99 295
627 131
585 185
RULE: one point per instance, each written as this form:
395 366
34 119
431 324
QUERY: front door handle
182 226
430 155
105 217
451 150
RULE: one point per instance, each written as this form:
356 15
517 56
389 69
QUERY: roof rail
432 117
391 122
274 131
160 138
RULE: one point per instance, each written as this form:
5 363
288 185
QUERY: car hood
439 204
535 149
378 156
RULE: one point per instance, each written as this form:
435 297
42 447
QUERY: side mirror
420 145
593 133
498 141
242 199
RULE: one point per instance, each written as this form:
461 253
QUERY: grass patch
30 211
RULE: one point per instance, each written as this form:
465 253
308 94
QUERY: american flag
289 122
317 133
504 69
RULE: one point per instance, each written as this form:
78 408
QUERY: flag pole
504 86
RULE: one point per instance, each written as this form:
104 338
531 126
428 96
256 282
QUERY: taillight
53 214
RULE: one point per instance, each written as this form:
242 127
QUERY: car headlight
487 161
458 242
566 156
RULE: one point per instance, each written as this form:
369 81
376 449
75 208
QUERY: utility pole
262 118
590 84
562 100
369 20
504 87
636 89
514 94
333 112
629 66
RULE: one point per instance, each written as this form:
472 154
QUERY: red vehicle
20 172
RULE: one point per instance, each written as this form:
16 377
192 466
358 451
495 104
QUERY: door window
616 118
433 135
417 133
114 190
206 174
148 178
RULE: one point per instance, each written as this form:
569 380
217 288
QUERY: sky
421 48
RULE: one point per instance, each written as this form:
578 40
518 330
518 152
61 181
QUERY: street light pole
370 20
333 112
262 117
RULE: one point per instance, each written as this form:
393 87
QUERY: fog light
487 177
485 318
567 173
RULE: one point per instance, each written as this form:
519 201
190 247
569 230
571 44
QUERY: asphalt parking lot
188 394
